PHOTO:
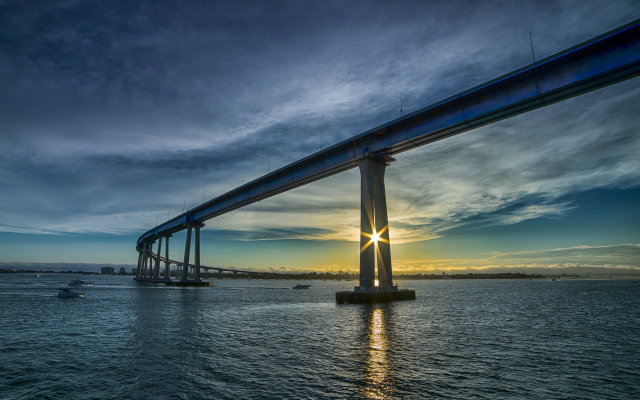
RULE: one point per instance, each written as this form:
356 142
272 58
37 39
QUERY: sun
375 237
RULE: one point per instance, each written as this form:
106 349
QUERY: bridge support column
156 271
187 249
383 253
150 269
145 257
196 271
374 220
167 264
367 249
139 264
375 246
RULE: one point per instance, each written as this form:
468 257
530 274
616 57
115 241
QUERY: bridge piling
156 271
167 264
383 253
367 252
196 268
144 260
187 249
151 260
375 245
139 264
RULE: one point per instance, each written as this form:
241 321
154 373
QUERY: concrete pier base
374 295
161 280
189 283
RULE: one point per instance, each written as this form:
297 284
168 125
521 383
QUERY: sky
115 116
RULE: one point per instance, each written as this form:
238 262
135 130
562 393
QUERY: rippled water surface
260 339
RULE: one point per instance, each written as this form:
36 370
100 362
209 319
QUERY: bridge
602 61
153 274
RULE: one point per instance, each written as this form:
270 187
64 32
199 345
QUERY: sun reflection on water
377 367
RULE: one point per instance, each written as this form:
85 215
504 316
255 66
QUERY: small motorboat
65 292
299 286
79 282
37 276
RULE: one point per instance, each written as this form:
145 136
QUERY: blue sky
112 115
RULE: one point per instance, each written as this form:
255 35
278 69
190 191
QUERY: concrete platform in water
189 283
374 295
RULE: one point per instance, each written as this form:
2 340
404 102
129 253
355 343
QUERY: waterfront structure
605 60
107 271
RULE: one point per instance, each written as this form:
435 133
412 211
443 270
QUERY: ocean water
471 339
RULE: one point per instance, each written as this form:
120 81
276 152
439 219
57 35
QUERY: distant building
133 271
107 271
123 271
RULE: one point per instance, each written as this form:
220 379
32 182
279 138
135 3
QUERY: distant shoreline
341 277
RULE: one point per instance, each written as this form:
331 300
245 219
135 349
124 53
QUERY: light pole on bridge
184 205
401 114
203 196
531 41
268 168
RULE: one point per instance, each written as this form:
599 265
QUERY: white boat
79 282
299 286
65 292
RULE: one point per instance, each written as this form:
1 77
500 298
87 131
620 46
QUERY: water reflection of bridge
605 60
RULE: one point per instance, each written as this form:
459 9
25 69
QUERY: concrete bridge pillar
167 265
187 249
139 264
196 272
374 223
156 271
145 256
150 270
374 220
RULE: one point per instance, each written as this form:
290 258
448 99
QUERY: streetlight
268 164
321 139
401 104
184 205
203 196
156 221
531 41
